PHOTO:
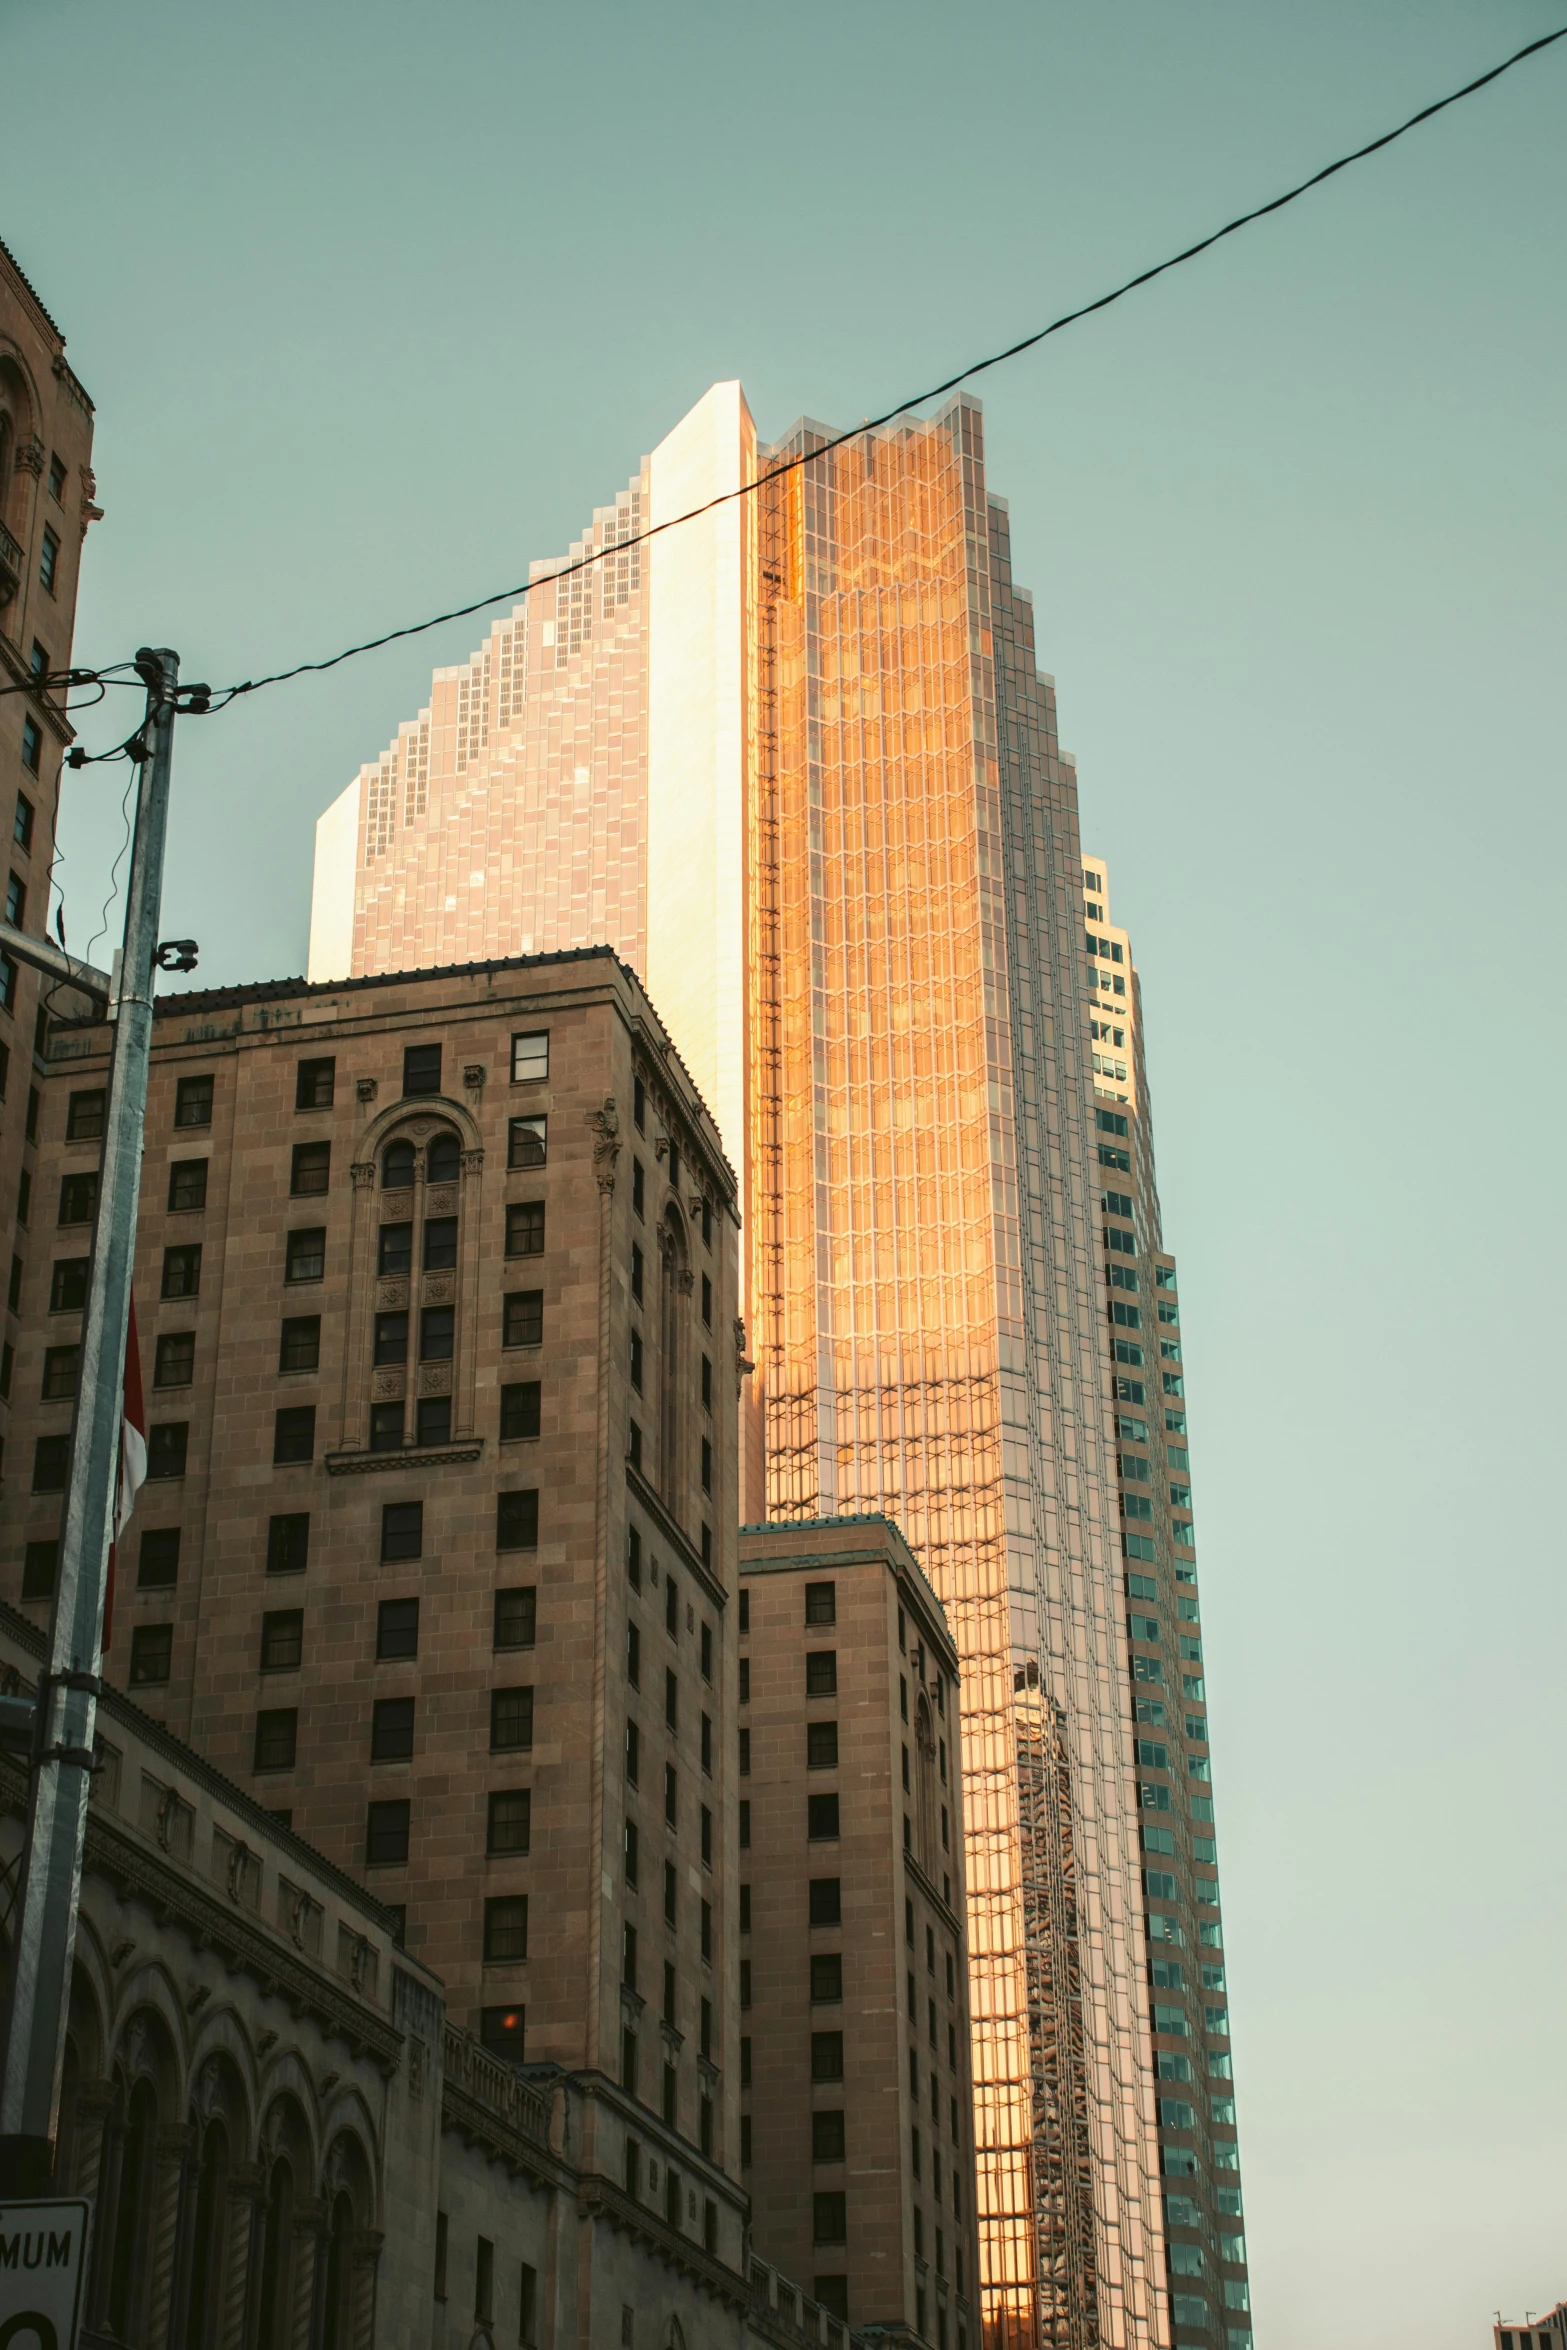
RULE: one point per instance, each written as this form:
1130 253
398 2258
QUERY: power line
222 696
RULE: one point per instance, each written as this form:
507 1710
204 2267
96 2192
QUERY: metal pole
68 1699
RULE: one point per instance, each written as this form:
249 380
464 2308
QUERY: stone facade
287 2144
46 503
857 2048
461 1615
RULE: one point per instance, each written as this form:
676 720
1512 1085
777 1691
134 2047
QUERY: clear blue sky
378 301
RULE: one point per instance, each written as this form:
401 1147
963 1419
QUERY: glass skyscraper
795 760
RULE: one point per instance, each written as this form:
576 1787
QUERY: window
397 1165
396 1629
436 1331
1133 1465
511 1720
16 900
523 1323
288 1543
60 1368
391 1338
707 1300
433 1420
299 1345
392 1729
707 1652
159 1562
821 1603
40 1566
525 1228
440 1243
193 1101
402 1529
152 1653
314 1082
386 1427
386 1833
49 560
282 1639
707 1465
181 1272
166 1448
509 1820
421 1068
84 1116
32 752
294 1433
525 1142
1126 1244
305 1257
24 1194
10 972
530 1057
443 1159
633 1656
1122 1277
638 1187
516 1616
506 1929
277 1738
821 1747
311 1170
671 1699
520 1410
517 1520
79 1197
829 2219
827 2141
821 1818
826 1979
827 2056
636 1271
1143 1627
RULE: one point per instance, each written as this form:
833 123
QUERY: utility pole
45 1934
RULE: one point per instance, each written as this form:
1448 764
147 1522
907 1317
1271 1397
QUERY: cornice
675 1534
408 1456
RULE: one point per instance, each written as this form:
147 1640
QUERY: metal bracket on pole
45 1915
54 962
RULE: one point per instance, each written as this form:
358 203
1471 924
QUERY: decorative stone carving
30 457
390 1295
473 1162
386 1384
367 1089
396 1206
422 1128
362 1174
435 1379
439 1289
473 1076
605 1124
441 1200
742 1363
685 1281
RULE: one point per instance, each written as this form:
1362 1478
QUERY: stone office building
857 2125
436 1283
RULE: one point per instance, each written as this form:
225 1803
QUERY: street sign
43 2267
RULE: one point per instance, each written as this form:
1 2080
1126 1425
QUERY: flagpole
45 1934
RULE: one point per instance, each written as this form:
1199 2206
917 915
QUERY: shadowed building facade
863 920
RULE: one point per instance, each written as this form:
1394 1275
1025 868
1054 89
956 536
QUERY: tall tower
863 924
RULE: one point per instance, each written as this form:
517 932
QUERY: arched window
204 2323
337 2309
674 1301
397 1165
275 2258
128 2261
443 1159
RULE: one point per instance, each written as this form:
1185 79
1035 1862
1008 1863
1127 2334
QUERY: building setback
46 504
1210 2294
856 2055
436 1306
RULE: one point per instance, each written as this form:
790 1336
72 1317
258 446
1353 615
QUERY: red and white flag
133 1458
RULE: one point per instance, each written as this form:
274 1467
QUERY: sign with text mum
43 2268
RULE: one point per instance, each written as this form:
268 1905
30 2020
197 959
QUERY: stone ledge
406 1456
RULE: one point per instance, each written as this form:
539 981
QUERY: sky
377 302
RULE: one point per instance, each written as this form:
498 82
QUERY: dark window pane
826 1978
386 1427
84 1117
166 1446
821 1673
312 1168
391 1335
827 2137
501 2029
520 1409
386 1833
525 1142
313 1087
288 1543
397 1628
402 1530
159 1563
152 1654
433 1420
282 1639
443 1158
397 1165
511 1719
822 1817
509 1820
60 1368
294 1433
827 2056
181 1270
821 1603
306 1259
193 1102
517 1520
829 2221
506 1928
435 1334
524 1323
821 1746
174 1365
40 1565
392 1729
68 1285
395 1251
422 1068
516 1615
525 1228
79 1197
440 1243
299 1348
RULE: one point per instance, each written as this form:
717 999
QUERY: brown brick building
436 1286
46 503
856 2055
